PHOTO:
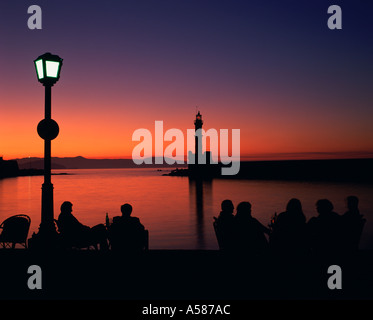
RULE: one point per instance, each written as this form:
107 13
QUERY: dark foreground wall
191 275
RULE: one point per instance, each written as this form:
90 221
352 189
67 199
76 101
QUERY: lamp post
48 67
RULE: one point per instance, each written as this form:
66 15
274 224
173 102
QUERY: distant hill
84 163
359 170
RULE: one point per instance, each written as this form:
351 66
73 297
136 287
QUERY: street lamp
48 68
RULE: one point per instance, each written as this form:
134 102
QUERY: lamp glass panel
52 68
39 68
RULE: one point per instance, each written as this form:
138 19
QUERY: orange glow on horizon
106 137
91 129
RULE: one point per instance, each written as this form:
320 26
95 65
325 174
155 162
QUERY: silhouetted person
353 223
250 232
77 234
126 232
353 213
289 230
225 226
326 229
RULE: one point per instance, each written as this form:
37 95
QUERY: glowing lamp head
48 68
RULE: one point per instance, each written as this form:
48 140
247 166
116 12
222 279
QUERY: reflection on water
200 196
178 212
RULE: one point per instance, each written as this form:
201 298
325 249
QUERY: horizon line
252 157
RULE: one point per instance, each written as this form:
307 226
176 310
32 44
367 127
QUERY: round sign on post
48 129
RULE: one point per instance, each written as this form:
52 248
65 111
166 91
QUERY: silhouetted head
227 206
294 205
126 209
244 208
324 206
67 207
352 203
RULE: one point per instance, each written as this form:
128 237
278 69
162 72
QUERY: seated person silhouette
353 224
126 233
250 232
76 234
289 230
225 227
325 230
353 213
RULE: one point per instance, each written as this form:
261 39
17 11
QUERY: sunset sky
272 69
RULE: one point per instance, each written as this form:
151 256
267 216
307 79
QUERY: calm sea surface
178 213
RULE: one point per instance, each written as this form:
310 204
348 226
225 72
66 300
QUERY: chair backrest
218 233
57 225
146 240
127 237
15 229
356 234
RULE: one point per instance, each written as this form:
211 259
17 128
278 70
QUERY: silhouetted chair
146 240
122 239
226 235
218 234
352 235
15 230
68 242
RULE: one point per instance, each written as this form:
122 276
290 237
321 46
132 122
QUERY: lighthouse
201 165
198 137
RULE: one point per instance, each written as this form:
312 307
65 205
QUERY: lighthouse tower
198 136
202 167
